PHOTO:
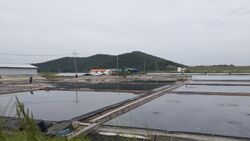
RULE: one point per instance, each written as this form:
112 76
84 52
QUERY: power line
14 54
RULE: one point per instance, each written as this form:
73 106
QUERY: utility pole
117 62
144 67
156 66
75 63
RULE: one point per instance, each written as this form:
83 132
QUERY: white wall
17 71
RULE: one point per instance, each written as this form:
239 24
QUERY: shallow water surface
60 105
221 77
206 88
219 115
246 83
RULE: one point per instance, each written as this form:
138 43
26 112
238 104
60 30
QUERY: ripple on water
248 114
228 105
156 113
173 101
191 87
235 122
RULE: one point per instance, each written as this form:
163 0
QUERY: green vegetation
28 129
219 69
49 76
129 60
27 123
1 133
21 137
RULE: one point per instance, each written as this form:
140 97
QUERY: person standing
31 80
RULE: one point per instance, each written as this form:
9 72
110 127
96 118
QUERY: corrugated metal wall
17 71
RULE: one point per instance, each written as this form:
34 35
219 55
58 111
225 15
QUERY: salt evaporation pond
60 105
222 77
113 86
206 88
243 83
218 115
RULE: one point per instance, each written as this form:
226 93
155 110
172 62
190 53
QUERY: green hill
129 60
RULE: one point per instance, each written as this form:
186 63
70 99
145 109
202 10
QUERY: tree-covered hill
129 60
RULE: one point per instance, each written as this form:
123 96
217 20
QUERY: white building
14 69
178 69
99 71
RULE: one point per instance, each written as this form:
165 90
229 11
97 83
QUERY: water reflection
76 98
217 115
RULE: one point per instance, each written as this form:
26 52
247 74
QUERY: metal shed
17 69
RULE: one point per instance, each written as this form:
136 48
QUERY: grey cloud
192 32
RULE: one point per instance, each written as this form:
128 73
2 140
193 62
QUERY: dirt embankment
116 79
13 84
22 79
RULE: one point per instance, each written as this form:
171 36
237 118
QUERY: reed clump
28 128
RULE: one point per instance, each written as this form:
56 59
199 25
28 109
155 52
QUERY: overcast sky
192 32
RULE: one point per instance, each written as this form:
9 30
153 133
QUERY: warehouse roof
25 66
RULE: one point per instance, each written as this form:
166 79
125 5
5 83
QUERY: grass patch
50 76
22 137
1 133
